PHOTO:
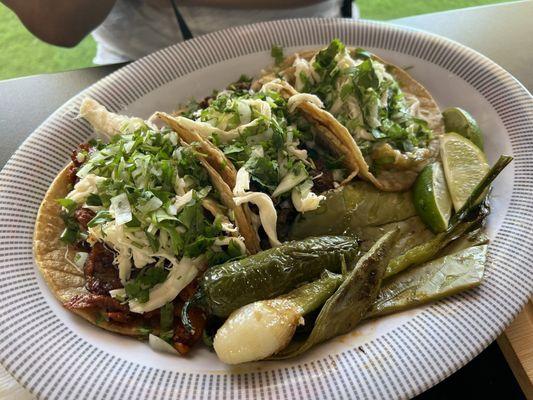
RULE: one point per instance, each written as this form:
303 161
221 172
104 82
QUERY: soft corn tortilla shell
335 136
223 176
243 218
64 279
387 180
216 158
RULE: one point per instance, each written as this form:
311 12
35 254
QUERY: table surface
502 32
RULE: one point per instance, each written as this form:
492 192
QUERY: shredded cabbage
297 175
181 274
85 187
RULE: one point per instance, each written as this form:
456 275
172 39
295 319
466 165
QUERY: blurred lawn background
22 54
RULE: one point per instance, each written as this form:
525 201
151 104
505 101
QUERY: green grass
22 54
389 9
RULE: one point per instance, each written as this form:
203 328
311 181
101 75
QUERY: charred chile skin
273 272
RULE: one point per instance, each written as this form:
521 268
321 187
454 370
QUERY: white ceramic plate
57 355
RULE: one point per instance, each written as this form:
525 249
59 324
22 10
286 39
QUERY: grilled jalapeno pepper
271 273
431 281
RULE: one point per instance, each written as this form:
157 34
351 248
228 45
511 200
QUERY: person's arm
61 22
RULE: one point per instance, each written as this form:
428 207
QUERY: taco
385 119
283 163
128 225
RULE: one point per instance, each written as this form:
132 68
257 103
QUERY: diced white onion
304 199
245 113
118 294
226 240
300 154
303 67
290 180
120 208
80 258
180 202
229 227
151 205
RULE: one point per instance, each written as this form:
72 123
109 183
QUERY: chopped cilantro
263 171
139 287
101 217
166 324
276 52
69 204
93 200
324 58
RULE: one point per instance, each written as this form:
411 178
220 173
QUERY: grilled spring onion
260 329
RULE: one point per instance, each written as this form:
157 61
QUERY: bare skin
66 22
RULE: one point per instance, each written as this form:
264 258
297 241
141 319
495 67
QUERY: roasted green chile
431 281
273 272
350 303
352 207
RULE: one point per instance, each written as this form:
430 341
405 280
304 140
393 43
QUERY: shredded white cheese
294 101
267 213
242 182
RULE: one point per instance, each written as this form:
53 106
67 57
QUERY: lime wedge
464 166
458 120
431 198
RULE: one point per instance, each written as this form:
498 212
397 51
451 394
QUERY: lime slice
431 198
458 120
464 166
